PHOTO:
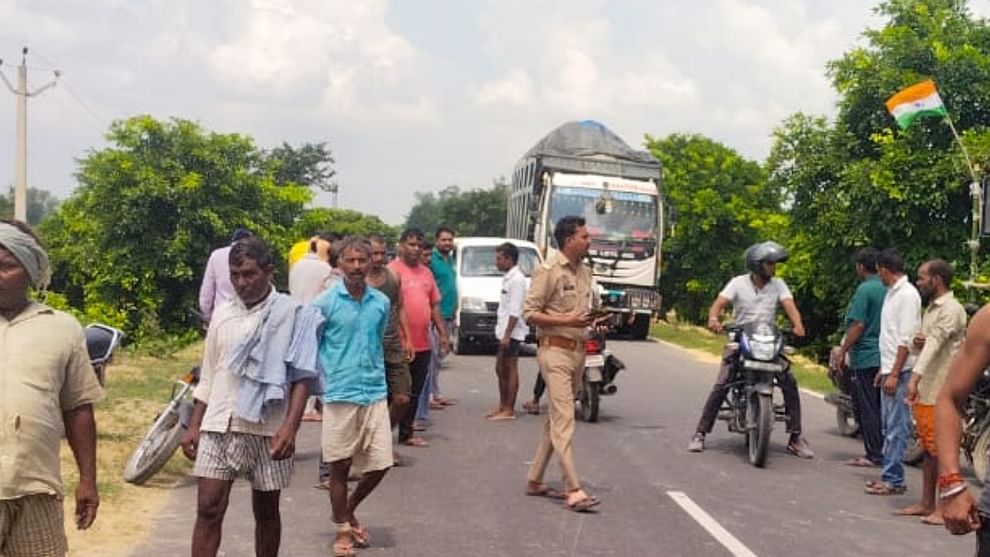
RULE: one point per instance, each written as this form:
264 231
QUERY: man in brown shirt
943 328
560 299
48 387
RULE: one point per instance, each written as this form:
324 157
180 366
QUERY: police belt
561 342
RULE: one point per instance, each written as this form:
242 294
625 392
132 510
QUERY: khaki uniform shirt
558 289
218 385
44 372
944 327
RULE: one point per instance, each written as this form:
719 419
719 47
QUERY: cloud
344 53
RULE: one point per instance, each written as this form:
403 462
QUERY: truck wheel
640 329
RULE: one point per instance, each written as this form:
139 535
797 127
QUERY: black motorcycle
749 408
600 369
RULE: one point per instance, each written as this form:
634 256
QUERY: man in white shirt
754 298
310 276
510 330
900 319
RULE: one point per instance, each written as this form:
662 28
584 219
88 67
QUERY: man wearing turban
49 389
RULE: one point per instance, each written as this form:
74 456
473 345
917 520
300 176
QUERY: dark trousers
419 368
785 379
983 537
866 408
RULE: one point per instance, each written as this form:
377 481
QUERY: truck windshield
633 216
479 261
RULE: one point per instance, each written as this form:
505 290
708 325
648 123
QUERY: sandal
883 488
584 505
532 407
360 537
416 442
861 462
343 549
546 491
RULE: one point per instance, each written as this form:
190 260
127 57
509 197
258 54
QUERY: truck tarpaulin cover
588 138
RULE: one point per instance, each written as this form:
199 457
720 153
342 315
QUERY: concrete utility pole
20 162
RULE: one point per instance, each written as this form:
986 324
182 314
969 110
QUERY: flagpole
976 194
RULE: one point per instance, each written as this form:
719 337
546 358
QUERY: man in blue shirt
356 426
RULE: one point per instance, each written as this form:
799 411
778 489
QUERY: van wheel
458 344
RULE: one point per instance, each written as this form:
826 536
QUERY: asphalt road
463 496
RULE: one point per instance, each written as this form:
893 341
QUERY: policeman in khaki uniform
559 302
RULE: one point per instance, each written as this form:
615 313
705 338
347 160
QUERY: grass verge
137 388
809 375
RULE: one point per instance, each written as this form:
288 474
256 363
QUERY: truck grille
491 306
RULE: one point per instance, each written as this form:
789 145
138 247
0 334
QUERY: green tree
129 246
475 212
310 164
723 206
40 204
342 221
860 181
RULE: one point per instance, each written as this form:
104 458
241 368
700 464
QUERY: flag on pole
916 101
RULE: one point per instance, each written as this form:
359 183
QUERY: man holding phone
560 302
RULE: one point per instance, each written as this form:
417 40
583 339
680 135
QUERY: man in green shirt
442 263
860 355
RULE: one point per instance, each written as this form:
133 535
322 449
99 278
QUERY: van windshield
479 261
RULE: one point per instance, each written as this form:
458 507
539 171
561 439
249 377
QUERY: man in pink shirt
216 287
421 305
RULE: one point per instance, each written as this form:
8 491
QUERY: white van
479 286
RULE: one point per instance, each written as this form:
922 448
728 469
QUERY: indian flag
918 100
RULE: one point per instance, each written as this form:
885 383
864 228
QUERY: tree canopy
723 205
475 212
129 246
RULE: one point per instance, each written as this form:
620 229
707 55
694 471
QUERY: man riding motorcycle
754 297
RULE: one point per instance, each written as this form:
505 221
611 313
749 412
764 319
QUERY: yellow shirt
44 372
944 326
559 289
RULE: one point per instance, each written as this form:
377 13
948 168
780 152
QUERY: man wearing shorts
49 386
943 328
510 330
248 409
356 426
398 349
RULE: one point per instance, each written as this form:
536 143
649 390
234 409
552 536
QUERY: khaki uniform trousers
562 370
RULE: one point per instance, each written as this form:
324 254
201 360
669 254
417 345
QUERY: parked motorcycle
976 427
749 408
101 342
600 369
165 435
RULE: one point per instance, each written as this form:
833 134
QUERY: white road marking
812 393
730 542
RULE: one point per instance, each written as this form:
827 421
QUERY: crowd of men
358 344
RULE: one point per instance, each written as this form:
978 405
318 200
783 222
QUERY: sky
417 95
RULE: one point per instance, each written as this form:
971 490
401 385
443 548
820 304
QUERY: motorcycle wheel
758 424
979 456
914 453
155 449
589 401
846 422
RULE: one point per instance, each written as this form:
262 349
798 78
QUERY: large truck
584 169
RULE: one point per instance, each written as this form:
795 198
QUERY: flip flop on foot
583 505
861 462
343 549
360 537
543 490
934 519
501 417
883 488
913 510
492 412
416 442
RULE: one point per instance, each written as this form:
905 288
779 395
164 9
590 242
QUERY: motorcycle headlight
762 350
470 303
